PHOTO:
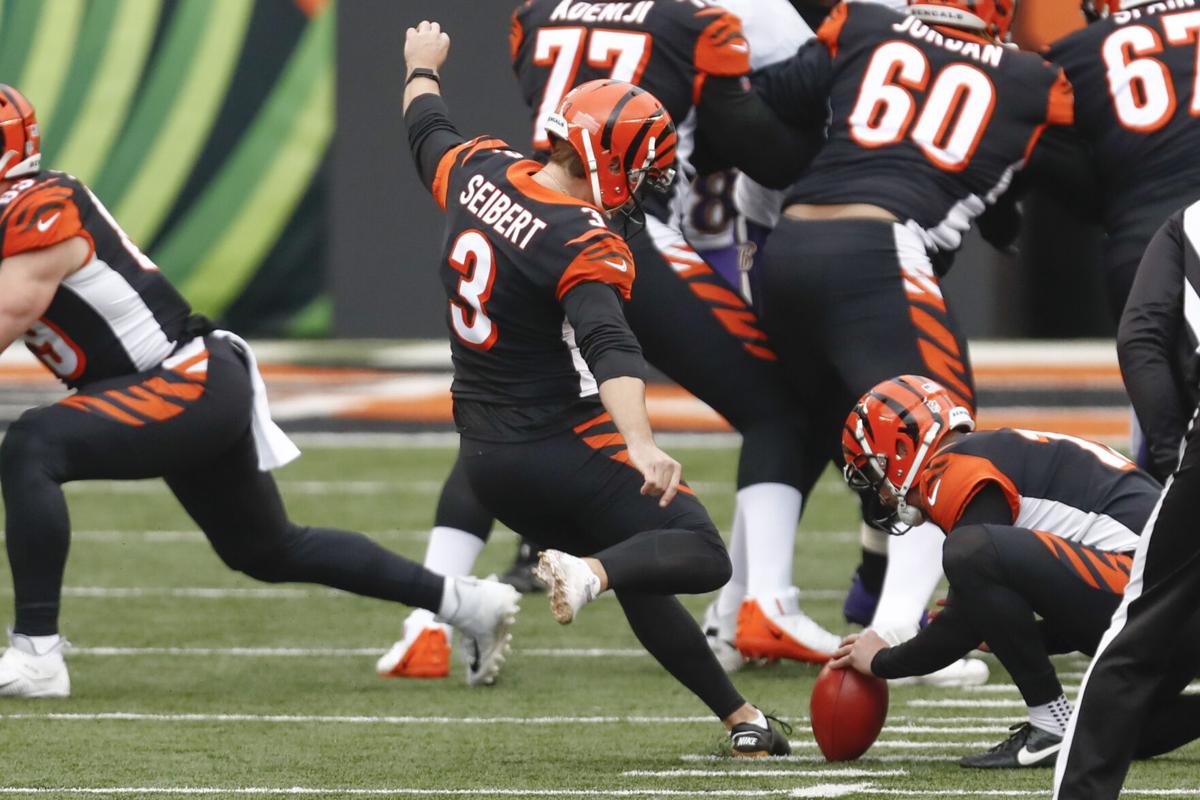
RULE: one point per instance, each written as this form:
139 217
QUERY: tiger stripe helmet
891 434
991 17
22 142
622 134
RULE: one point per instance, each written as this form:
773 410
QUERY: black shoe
520 574
748 740
1027 747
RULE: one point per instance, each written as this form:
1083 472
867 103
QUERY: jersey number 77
623 53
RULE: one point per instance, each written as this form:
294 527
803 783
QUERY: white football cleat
24 672
719 632
570 582
483 611
424 652
774 627
964 673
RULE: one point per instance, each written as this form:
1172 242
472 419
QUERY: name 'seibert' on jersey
990 54
500 212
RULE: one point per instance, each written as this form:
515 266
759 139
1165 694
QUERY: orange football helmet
623 135
991 17
890 435
20 140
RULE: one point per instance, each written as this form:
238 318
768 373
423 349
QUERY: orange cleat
424 652
775 628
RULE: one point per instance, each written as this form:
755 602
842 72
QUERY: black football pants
850 303
575 491
1153 629
191 428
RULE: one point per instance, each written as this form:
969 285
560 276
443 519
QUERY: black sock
668 562
353 563
671 635
872 570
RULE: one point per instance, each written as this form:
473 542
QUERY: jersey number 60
957 106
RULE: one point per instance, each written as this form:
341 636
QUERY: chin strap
593 168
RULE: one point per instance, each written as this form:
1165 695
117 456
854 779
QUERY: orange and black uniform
1036 524
158 394
691 327
534 282
928 123
1134 74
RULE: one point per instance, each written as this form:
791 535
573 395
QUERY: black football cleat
1026 747
747 740
520 574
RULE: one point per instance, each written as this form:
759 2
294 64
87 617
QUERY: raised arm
430 131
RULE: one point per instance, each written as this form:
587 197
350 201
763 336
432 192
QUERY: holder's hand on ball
857 651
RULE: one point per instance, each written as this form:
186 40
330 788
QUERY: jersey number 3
623 53
949 126
473 257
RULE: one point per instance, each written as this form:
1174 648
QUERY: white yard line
834 772
816 759
897 744
274 593
961 703
311 791
349 652
392 440
289 719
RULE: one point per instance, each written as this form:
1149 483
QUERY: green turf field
193 680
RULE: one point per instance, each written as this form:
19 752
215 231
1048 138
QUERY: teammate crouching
1038 524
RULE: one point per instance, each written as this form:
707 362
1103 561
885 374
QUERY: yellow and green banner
204 126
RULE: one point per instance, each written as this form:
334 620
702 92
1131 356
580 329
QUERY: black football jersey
117 315
513 249
927 122
1136 104
1068 487
667 47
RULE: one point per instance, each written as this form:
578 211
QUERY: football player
930 117
158 393
1036 524
1134 73
691 325
549 393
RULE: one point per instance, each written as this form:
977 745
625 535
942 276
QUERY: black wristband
423 72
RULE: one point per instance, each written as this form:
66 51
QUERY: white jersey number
948 128
1106 455
472 256
61 355
623 53
1141 87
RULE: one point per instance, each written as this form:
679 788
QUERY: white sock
450 552
873 541
760 720
40 645
772 511
452 601
729 601
1052 717
913 571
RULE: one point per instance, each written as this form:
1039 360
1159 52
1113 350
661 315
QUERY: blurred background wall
256 150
